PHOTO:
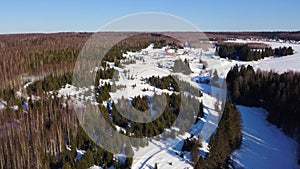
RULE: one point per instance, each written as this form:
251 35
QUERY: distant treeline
246 53
281 35
247 35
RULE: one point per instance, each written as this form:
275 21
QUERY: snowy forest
277 93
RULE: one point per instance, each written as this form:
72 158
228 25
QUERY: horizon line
128 31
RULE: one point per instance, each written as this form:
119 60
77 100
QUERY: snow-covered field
264 146
280 64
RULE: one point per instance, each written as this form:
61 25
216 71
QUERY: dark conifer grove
250 52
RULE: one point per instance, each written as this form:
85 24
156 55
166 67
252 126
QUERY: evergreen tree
227 138
215 79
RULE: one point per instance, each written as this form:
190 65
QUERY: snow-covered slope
264 146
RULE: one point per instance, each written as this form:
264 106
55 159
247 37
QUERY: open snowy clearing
264 146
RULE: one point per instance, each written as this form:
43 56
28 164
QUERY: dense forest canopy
43 125
43 54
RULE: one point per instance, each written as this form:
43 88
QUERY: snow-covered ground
279 64
2 104
264 146
162 153
166 153
270 149
95 167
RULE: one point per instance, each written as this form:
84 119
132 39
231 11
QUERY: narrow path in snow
147 159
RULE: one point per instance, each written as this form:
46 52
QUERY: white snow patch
95 167
80 153
2 104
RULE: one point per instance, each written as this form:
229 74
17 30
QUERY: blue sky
91 15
